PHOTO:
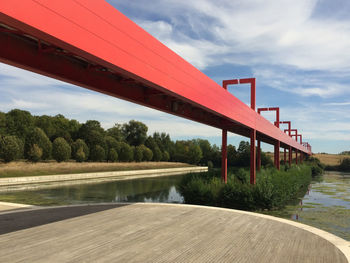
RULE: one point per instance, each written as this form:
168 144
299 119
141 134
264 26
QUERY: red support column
224 156
252 157
225 83
301 157
259 155
285 156
290 156
277 155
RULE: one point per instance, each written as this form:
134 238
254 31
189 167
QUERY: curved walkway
160 233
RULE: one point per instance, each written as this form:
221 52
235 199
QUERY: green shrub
126 153
61 150
34 153
97 154
113 155
76 146
9 148
273 188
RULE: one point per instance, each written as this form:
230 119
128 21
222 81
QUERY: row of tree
24 136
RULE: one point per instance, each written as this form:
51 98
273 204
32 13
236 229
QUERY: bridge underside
102 50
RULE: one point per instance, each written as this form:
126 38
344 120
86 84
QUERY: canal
326 205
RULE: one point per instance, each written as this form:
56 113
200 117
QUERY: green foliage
231 155
126 153
80 155
61 150
147 153
194 154
116 132
19 123
92 133
79 144
97 153
113 155
188 152
34 153
135 132
2 123
138 153
166 156
38 137
210 165
9 148
273 189
157 154
345 165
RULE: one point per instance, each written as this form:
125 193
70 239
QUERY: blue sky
298 50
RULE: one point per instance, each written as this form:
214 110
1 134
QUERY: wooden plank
161 233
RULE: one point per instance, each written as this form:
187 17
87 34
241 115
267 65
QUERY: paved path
159 233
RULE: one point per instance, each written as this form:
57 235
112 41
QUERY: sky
298 50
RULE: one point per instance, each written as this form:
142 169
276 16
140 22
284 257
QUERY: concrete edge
341 244
12 181
17 205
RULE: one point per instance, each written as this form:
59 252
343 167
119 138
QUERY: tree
19 123
9 148
206 150
116 132
97 153
157 154
166 156
92 133
2 123
38 137
34 153
80 144
194 154
231 155
80 155
345 165
61 150
138 153
111 142
147 153
135 132
126 153
243 153
46 123
113 155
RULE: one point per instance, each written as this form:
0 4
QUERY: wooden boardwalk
157 233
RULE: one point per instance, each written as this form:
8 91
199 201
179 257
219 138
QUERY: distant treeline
35 138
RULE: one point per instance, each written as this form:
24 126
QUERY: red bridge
93 45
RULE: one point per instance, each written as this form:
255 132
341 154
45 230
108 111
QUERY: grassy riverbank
20 169
273 189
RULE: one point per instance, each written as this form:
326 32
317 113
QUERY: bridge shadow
18 220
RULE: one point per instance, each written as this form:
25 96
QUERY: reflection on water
325 206
157 189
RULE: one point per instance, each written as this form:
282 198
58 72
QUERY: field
325 158
15 169
330 159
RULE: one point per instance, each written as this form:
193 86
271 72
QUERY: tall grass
273 188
